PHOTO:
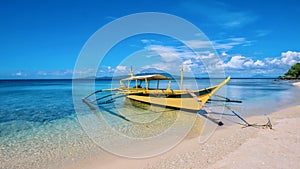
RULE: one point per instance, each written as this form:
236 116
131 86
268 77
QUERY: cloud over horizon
267 66
235 65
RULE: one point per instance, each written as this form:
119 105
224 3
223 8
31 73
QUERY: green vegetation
293 73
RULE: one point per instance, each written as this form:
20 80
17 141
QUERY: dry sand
296 83
229 147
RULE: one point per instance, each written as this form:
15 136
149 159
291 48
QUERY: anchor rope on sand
247 124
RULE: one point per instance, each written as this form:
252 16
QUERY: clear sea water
39 127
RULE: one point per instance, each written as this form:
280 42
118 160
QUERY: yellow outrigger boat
166 97
190 100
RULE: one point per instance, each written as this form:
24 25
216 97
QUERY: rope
246 124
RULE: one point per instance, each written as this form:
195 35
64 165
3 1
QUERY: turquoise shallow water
39 128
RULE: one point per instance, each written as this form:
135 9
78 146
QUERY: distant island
292 74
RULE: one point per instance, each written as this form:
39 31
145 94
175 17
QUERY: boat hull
186 103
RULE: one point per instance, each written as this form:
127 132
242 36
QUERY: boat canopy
148 77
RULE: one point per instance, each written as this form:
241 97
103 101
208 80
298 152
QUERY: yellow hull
179 103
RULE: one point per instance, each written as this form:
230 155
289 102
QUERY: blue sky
42 39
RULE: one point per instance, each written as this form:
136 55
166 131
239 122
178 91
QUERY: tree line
292 73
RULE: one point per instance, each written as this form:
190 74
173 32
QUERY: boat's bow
204 98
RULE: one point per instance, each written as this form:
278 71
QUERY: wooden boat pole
169 85
147 84
206 109
181 78
131 74
136 84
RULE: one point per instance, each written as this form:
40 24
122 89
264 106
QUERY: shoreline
229 147
296 84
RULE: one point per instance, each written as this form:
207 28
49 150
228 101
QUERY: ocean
39 127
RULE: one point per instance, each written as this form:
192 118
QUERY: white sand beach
296 84
229 147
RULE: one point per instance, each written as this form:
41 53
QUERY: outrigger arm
208 111
98 91
119 94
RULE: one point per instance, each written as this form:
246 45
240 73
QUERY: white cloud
224 54
19 74
168 53
275 66
223 45
172 57
68 73
242 62
145 41
203 53
42 73
259 63
290 58
189 65
273 61
150 41
204 57
82 72
236 19
187 62
45 74
230 43
109 71
121 68
235 62
63 73
248 63
199 44
286 59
